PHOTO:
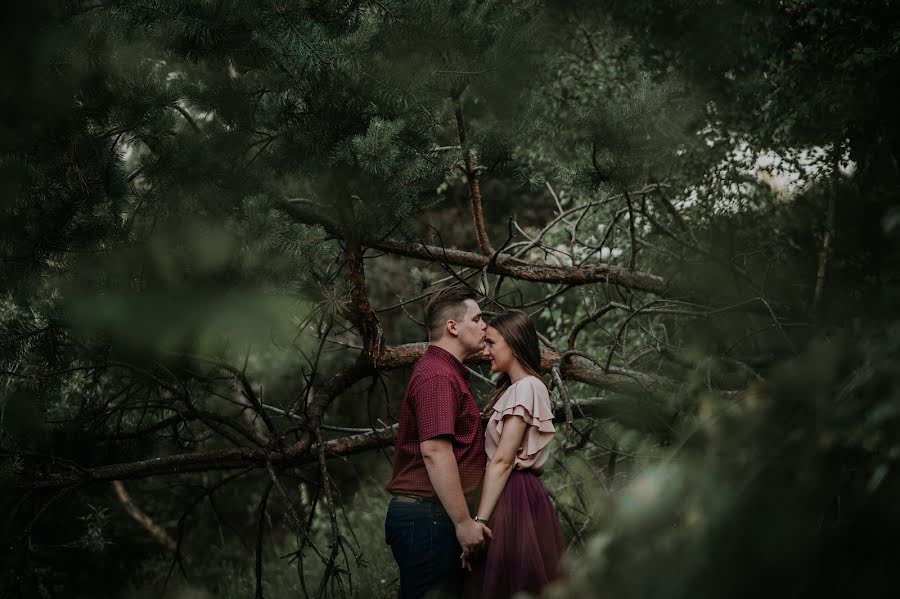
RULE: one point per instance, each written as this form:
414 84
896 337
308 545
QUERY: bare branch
591 318
567 403
829 229
147 523
532 271
187 116
633 256
260 528
332 516
503 265
474 186
363 316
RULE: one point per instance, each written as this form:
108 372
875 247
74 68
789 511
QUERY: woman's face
497 351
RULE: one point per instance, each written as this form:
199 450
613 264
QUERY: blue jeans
423 540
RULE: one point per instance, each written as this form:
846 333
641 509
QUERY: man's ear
452 327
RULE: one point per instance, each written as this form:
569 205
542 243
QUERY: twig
633 257
260 527
143 519
177 106
567 402
329 504
591 318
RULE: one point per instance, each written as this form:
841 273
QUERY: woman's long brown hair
520 335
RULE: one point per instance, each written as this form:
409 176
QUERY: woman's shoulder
530 381
529 394
529 386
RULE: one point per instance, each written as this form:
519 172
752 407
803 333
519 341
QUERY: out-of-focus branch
245 387
631 232
208 461
591 318
252 421
576 368
260 528
830 210
147 523
740 272
187 116
567 403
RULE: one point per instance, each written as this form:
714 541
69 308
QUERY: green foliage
146 152
796 72
785 493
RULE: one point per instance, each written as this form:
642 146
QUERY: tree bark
484 241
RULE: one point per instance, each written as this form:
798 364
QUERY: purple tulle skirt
526 551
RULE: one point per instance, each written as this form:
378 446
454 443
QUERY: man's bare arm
444 475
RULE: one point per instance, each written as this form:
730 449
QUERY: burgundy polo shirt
438 403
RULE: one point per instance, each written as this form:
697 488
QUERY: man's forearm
444 475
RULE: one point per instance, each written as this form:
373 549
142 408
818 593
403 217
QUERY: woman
527 545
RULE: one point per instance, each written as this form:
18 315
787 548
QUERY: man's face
470 330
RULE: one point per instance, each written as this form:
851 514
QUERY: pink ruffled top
529 399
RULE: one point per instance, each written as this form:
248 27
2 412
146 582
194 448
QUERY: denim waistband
432 505
403 498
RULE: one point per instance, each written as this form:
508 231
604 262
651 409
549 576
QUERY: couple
512 541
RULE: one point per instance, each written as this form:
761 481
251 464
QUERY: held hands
470 535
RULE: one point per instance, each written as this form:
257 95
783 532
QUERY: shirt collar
443 354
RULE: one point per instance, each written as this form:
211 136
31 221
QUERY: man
439 454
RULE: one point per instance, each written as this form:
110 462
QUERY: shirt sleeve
434 403
530 400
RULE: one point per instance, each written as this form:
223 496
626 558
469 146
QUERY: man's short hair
446 304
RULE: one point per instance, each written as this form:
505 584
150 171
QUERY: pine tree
222 219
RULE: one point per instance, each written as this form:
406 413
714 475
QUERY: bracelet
480 520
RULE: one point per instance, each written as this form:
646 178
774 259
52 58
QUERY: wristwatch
477 519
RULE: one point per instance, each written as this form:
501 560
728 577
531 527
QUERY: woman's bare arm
501 464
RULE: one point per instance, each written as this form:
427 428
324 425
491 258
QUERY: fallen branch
619 380
503 264
145 521
335 448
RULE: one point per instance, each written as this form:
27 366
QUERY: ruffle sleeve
529 399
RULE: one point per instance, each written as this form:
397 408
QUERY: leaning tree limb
145 521
243 459
305 212
535 272
575 368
